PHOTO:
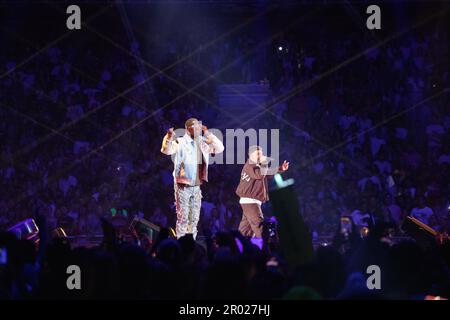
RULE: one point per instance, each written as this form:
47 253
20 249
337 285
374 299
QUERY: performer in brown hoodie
253 190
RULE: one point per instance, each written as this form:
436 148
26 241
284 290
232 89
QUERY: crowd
364 141
226 266
366 132
389 141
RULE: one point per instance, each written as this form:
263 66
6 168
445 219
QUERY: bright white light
280 48
278 180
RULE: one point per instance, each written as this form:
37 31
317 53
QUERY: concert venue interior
363 118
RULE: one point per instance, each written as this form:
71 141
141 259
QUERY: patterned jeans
188 201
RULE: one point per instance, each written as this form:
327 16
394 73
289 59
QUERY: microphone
173 134
266 160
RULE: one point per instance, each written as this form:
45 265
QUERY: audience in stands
362 141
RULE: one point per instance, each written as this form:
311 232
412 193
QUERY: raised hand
263 160
208 140
170 133
284 166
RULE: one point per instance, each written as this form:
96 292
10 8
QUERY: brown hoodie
253 183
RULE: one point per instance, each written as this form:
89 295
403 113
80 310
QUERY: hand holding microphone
170 133
265 160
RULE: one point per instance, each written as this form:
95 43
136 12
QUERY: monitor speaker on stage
144 227
26 230
59 233
424 235
295 239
